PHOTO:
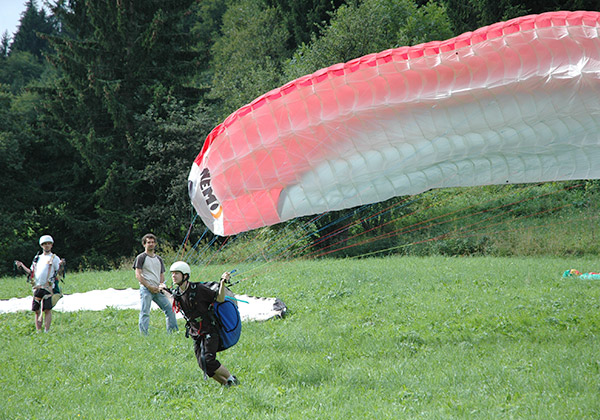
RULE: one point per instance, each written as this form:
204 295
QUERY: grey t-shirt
152 267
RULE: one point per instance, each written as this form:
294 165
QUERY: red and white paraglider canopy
514 102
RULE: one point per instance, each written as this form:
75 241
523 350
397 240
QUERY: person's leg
47 319
38 321
165 304
47 309
206 355
145 302
214 368
36 308
221 375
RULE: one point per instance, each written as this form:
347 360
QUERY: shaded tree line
104 104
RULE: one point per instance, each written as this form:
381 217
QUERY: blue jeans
146 298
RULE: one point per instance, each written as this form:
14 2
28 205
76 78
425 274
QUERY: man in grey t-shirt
150 272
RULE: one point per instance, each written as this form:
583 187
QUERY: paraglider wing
514 102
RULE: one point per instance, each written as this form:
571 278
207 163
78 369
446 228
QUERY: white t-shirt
45 263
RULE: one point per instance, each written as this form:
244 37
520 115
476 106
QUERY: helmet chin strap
185 280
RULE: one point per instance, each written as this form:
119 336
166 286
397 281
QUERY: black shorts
37 296
210 342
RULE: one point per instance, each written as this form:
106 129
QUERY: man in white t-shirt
43 273
150 272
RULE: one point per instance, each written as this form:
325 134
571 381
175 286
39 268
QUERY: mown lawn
427 338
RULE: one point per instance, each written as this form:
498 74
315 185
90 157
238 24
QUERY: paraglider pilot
194 299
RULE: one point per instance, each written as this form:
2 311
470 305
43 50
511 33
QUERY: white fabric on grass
251 308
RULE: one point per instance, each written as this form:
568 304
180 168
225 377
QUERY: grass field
426 338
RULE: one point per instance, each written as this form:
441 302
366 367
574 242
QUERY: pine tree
33 23
4 45
116 59
248 57
305 18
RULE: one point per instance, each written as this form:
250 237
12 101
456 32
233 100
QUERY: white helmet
180 266
46 238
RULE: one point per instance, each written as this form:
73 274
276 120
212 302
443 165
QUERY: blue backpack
230 323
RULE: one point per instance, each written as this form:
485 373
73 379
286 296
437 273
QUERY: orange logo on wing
211 201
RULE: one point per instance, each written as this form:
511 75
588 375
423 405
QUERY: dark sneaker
232 382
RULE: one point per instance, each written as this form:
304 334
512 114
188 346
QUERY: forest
105 104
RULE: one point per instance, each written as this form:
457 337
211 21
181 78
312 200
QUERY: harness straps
47 286
31 275
203 354
41 300
190 330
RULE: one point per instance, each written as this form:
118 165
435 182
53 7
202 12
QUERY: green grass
427 338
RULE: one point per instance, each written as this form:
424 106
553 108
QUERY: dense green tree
36 173
468 15
19 69
206 18
12 162
33 23
206 28
172 135
248 56
370 26
304 18
4 45
21 59
28 160
115 60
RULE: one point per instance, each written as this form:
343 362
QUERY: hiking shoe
232 382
